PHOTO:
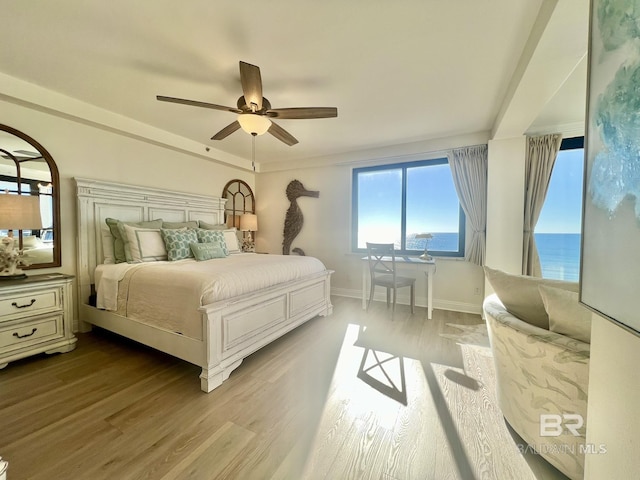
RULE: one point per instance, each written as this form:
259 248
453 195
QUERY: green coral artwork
610 251
616 165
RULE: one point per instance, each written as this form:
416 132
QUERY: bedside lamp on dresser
17 212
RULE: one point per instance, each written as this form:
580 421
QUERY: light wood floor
315 404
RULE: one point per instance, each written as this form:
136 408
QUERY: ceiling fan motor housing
242 105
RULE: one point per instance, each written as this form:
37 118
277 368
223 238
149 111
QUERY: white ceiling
398 72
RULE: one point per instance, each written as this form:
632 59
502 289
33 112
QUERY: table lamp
17 212
249 224
427 237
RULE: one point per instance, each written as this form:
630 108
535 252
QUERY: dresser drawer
30 303
27 333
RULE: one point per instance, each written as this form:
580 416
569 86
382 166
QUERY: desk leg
428 273
364 286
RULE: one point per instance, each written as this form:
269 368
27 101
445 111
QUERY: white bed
234 321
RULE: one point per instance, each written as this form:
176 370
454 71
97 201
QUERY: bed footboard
238 327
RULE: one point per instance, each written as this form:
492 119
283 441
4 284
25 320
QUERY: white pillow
145 244
566 315
521 297
231 239
30 241
108 254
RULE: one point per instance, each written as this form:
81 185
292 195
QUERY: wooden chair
382 268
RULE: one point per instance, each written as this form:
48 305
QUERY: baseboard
421 301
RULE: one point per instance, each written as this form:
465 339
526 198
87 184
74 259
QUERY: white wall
505 205
613 422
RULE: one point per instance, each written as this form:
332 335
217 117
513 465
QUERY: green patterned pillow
178 243
212 236
207 251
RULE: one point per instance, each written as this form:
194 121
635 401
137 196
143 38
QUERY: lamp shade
20 212
249 222
254 123
424 235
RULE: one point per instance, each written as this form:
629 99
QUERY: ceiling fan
255 112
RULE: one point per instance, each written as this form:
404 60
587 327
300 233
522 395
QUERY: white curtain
541 156
469 170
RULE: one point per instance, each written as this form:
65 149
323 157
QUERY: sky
380 204
562 211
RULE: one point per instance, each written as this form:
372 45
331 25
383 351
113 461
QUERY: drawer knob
33 330
14 304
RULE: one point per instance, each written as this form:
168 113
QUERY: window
394 203
557 232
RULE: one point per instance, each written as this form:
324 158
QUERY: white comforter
168 294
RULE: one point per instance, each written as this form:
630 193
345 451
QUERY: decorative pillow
107 245
178 243
231 239
145 244
211 226
118 237
521 297
176 225
30 241
207 251
212 236
566 315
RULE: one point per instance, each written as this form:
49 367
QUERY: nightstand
36 315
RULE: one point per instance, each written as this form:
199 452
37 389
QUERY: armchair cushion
566 315
521 297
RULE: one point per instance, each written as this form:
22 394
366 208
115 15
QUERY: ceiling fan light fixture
253 123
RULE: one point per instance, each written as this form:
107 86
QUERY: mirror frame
55 182
238 193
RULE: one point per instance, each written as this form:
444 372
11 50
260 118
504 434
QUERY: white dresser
36 315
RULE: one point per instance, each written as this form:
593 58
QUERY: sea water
559 255
559 252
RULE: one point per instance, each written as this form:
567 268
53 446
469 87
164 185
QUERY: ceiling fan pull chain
253 151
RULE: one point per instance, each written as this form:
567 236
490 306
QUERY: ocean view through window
557 232
394 203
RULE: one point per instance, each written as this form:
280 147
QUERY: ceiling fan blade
281 134
226 131
251 84
195 103
303 112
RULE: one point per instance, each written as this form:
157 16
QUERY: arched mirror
239 200
26 168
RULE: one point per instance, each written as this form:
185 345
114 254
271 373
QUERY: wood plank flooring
353 395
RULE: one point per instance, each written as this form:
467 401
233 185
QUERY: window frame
573 143
404 166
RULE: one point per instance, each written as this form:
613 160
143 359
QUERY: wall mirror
240 200
26 168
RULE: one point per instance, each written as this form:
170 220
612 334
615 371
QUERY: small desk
429 267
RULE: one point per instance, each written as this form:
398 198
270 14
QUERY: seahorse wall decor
293 219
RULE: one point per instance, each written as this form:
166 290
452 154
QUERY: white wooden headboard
98 200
